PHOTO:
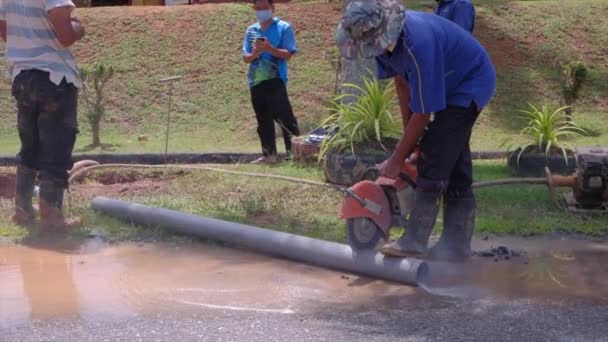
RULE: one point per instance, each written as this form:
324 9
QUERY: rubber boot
419 226
454 245
51 209
24 192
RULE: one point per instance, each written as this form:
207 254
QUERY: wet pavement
557 290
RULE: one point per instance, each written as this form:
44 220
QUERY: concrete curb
199 158
156 158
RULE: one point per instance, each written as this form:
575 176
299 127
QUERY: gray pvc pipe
318 252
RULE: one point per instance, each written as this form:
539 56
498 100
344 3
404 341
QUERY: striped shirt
32 42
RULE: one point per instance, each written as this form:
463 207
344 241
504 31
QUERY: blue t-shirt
443 64
267 67
462 12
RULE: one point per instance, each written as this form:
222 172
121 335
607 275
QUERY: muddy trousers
47 124
271 104
445 169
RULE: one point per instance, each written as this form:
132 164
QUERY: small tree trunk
95 130
568 113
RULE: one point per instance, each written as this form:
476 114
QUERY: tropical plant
367 119
95 78
546 130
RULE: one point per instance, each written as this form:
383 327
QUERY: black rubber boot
51 208
458 226
24 192
419 226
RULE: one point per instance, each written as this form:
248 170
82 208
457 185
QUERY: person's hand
412 159
255 52
263 45
390 168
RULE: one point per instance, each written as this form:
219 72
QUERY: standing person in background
462 12
267 47
45 85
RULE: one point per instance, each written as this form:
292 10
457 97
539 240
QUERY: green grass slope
528 41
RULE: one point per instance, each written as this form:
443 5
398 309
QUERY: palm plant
546 130
367 119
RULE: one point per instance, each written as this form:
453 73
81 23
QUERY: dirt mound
109 178
7 186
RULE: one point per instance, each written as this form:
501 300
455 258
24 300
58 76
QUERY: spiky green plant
546 130
367 119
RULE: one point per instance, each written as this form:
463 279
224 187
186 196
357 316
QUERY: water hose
79 172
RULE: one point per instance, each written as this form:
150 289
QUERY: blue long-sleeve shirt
461 12
443 65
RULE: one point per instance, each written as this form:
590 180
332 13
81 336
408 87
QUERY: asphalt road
421 317
199 293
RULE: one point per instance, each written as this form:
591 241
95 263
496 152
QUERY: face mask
263 16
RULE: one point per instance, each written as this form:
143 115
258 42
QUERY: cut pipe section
300 248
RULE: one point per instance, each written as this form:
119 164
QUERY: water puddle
94 281
546 270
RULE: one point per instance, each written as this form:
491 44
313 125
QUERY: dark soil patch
144 187
122 183
109 178
7 186
503 49
374 147
133 176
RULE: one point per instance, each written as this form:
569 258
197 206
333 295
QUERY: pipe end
423 273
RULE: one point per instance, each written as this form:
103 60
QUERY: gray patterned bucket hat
369 27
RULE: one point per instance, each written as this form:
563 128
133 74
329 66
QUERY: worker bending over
444 78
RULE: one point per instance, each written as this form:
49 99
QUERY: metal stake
171 80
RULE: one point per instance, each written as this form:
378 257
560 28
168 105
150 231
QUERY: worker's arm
67 29
285 49
250 53
403 94
413 133
250 57
464 15
3 30
426 81
279 53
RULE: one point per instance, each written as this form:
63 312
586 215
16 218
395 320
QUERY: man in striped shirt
45 78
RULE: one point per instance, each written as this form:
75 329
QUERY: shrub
546 130
95 78
366 120
575 77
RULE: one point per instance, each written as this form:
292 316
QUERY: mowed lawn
529 41
297 208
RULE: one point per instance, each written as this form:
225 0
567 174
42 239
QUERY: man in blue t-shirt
444 78
461 12
268 45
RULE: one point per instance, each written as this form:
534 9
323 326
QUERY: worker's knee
430 185
458 192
